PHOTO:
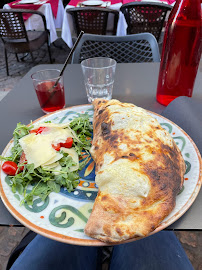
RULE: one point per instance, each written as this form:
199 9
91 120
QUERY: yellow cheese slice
38 148
51 125
51 166
71 132
53 159
54 167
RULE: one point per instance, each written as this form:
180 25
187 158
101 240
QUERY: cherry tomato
56 146
39 130
22 160
10 167
68 143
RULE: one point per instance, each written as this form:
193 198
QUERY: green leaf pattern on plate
181 143
38 205
59 211
61 219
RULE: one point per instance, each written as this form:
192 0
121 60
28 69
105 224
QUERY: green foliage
45 180
83 129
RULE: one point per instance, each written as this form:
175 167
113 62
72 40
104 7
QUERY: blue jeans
161 251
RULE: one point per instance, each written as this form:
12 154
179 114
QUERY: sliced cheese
65 126
72 152
38 147
54 167
51 125
53 159
51 166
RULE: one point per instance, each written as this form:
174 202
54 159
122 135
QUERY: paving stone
189 239
59 52
192 244
7 249
10 237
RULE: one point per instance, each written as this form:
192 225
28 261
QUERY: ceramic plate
63 216
92 3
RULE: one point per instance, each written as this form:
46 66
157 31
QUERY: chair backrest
12 23
93 20
124 49
145 17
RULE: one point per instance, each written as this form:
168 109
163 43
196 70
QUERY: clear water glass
99 73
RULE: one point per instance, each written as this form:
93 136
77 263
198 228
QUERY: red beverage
50 99
181 52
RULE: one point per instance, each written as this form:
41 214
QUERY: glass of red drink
50 98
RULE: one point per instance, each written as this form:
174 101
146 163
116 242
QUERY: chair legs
49 52
16 55
32 56
6 60
17 58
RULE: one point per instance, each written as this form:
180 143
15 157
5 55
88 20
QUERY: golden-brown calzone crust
139 172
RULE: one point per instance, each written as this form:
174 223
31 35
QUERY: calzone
139 172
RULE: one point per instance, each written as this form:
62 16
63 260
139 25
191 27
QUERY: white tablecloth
33 23
68 29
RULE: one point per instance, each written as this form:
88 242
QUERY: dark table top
134 83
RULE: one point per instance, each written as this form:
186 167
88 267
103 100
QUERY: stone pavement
11 236
17 70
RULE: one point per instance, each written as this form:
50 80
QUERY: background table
68 29
34 23
135 83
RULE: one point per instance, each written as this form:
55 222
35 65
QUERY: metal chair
145 17
93 20
15 37
124 49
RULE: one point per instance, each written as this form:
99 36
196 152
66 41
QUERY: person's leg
45 254
161 251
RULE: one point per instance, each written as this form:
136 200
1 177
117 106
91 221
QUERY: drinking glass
50 98
99 75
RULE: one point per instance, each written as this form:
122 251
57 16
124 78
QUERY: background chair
124 49
93 20
145 17
15 37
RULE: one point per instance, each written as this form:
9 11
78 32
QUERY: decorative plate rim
94 242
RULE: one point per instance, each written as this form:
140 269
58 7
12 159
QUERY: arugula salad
46 157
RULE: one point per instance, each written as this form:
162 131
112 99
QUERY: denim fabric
161 251
46 254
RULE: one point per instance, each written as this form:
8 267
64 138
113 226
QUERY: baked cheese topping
114 181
